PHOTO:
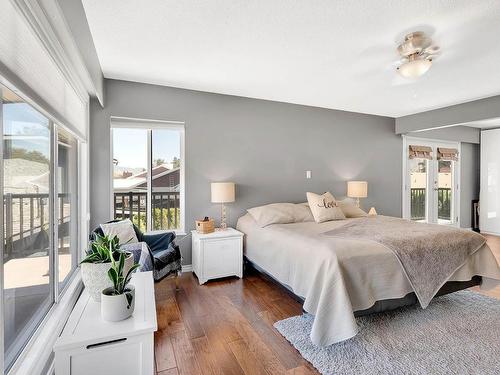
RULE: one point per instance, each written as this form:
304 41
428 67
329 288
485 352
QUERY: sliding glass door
431 175
27 219
39 218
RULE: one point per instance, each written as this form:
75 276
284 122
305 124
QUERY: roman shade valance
420 152
450 154
28 63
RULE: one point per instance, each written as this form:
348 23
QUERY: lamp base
223 217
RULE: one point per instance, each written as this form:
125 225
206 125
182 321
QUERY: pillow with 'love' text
324 207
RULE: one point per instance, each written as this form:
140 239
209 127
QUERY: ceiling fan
417 53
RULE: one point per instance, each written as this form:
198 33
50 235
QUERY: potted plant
96 264
117 301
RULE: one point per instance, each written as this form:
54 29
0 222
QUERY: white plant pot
115 307
95 276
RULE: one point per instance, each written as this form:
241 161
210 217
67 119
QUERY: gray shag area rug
456 334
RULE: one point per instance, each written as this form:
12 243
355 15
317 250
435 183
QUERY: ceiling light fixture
416 55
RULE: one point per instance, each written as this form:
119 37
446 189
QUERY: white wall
489 220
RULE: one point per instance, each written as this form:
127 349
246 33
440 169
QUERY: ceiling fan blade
433 50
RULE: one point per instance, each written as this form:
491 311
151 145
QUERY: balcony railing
26 218
133 206
418 199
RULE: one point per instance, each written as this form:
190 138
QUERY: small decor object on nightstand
372 212
357 189
217 254
223 192
207 225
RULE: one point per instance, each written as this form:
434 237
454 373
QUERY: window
67 200
148 175
39 223
430 186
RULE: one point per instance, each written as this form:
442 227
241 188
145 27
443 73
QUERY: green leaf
129 297
129 273
113 276
92 258
121 263
105 248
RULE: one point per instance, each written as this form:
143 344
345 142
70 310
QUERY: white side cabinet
217 254
89 345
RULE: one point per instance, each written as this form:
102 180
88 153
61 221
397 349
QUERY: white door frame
407 140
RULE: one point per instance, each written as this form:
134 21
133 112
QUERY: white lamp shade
222 192
414 68
357 189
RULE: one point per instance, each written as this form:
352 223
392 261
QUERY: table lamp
357 189
222 192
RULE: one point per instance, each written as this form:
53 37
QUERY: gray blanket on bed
428 253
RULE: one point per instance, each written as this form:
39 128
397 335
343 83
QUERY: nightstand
217 254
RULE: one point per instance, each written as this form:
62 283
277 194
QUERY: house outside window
148 174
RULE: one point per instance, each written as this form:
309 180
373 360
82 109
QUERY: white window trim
2 365
457 186
126 122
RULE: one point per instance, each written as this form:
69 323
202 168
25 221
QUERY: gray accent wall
452 133
459 114
265 147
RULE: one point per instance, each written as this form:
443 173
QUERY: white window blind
27 64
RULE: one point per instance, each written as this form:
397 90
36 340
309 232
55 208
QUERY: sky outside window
130 147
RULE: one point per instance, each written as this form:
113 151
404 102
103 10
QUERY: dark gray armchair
163 256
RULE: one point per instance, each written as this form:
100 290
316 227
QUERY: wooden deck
226 326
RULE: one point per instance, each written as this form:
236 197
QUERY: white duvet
338 276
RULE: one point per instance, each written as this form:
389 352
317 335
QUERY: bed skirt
382 305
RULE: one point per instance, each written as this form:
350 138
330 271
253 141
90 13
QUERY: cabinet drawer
221 257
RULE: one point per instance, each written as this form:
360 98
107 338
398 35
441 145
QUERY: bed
338 276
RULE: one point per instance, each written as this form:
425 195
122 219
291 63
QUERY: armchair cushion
161 254
99 231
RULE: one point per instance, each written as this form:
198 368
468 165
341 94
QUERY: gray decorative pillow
324 207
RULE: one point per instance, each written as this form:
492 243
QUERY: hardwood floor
226 326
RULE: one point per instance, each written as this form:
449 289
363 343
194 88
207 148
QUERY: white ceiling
333 54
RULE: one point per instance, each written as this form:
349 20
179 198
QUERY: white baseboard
187 268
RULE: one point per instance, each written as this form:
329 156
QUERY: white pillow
274 213
123 229
349 208
302 213
324 207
